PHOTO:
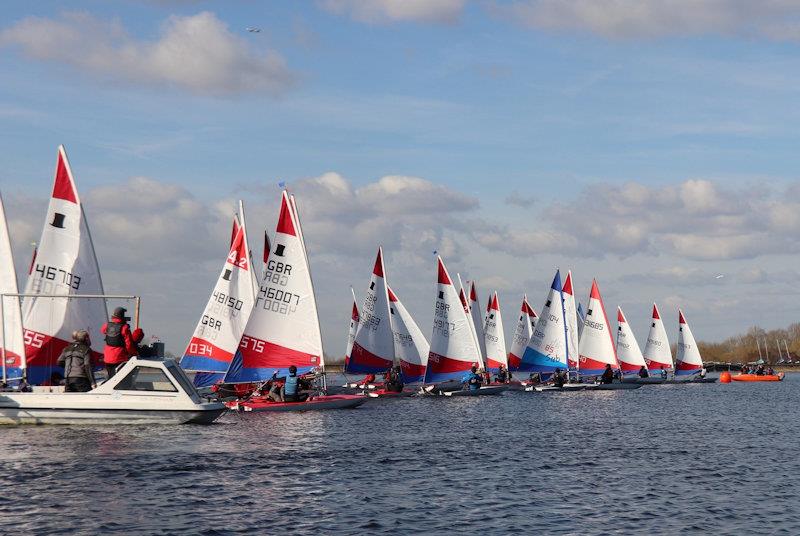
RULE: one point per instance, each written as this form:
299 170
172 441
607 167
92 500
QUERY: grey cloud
197 53
520 200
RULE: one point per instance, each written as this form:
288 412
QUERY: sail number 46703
51 273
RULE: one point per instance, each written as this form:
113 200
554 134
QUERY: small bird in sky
253 29
720 276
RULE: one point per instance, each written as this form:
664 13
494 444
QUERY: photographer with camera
120 345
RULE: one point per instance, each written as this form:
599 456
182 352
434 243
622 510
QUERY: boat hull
621 386
383 393
17 416
757 378
486 390
317 403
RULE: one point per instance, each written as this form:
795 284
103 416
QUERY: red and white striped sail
453 346
477 318
522 334
629 355
687 359
410 345
220 328
531 313
283 328
495 337
12 347
571 316
65 264
596 348
657 353
351 334
373 348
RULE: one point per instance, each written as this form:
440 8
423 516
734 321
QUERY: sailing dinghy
657 353
220 328
597 351
522 334
495 339
410 348
547 349
629 354
688 361
12 346
373 346
65 265
454 350
283 329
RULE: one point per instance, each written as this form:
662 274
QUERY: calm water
669 459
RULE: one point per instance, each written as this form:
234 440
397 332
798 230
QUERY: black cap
119 312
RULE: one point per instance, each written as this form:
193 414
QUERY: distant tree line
743 348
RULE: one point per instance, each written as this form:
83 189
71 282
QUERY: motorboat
143 391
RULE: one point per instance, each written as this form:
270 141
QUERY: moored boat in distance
142 391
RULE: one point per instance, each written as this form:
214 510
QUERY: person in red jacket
120 345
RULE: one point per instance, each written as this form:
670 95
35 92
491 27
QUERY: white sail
351 334
462 295
571 316
547 348
687 359
596 349
453 346
283 328
12 346
65 265
495 338
477 319
657 353
522 334
410 345
373 347
629 355
219 329
316 330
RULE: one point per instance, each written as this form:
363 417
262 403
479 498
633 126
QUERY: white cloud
197 53
696 219
381 11
629 19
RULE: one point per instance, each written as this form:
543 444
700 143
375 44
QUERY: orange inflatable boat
756 378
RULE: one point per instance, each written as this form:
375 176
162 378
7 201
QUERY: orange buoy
725 377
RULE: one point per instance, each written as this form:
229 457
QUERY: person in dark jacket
503 375
559 378
77 362
472 380
120 345
393 381
643 372
608 375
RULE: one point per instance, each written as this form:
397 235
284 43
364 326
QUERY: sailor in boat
76 359
534 378
643 372
608 375
503 375
292 386
120 345
393 380
472 380
559 378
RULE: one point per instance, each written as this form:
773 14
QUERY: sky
652 145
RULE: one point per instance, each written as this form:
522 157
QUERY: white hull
142 392
106 416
